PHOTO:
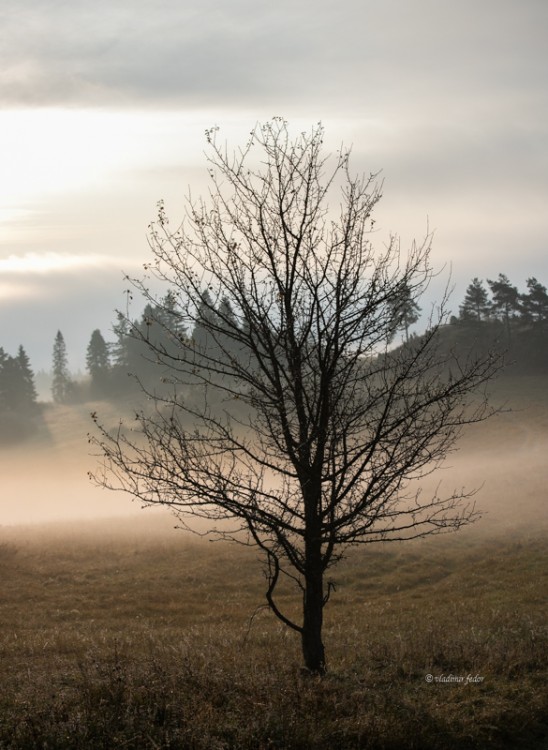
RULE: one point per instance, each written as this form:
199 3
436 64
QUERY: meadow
126 633
132 635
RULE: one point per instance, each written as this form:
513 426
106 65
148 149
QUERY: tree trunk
311 637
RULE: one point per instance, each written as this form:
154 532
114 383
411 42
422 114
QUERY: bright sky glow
48 151
103 108
33 263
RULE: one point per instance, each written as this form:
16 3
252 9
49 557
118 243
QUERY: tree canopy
291 424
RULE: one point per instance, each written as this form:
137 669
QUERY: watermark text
455 679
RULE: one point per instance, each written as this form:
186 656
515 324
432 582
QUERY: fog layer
45 478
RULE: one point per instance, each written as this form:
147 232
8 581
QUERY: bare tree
292 418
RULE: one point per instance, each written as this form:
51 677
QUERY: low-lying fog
46 480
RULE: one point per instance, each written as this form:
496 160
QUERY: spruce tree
4 392
61 385
120 354
17 391
26 386
98 363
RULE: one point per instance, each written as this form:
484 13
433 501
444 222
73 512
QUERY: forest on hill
492 315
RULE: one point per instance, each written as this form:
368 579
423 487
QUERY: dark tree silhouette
505 304
120 355
169 320
405 311
61 386
535 303
18 399
310 431
17 390
6 366
26 389
98 364
476 304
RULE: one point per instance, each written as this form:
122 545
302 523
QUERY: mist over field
46 479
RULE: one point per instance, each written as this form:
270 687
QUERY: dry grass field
128 634
142 638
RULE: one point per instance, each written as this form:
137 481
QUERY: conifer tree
4 394
535 302
505 304
203 340
26 387
17 390
168 315
476 302
405 310
120 348
61 385
98 363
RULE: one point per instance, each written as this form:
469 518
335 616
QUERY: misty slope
46 478
506 456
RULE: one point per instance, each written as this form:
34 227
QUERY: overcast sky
103 107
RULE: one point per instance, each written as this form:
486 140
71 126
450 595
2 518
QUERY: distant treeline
491 311
499 314
18 398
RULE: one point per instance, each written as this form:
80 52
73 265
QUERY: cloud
119 52
352 53
459 89
40 263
